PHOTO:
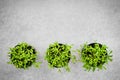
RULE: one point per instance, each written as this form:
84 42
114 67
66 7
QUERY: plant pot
66 60
58 55
16 58
100 45
95 55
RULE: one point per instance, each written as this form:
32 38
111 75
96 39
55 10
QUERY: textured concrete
42 22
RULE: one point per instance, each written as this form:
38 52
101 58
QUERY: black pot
58 55
89 53
29 63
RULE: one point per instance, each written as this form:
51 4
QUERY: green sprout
23 56
94 56
58 55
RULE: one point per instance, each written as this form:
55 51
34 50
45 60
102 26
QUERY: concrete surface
41 22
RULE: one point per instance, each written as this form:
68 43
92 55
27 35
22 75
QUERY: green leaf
9 62
37 64
59 70
104 67
67 68
73 59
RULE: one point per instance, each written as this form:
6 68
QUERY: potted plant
58 55
23 56
94 56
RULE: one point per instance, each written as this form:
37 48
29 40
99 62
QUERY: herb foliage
58 55
94 56
23 56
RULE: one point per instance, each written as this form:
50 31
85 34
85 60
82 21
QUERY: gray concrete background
41 22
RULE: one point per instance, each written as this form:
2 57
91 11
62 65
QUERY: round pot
89 53
29 63
67 60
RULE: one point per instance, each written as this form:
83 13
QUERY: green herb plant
94 56
23 56
58 55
